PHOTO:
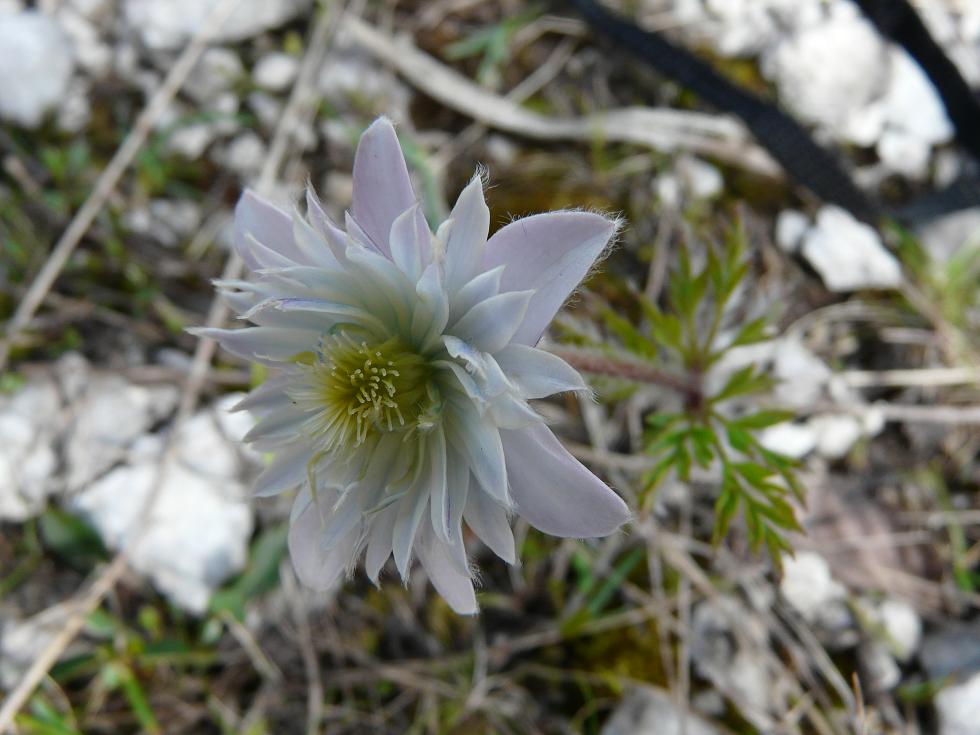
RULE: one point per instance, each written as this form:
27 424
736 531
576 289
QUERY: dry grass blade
660 129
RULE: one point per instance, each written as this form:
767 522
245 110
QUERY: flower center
360 388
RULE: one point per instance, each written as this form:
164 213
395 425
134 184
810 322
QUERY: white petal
267 397
410 513
379 542
382 187
338 312
490 325
549 253
314 566
335 238
456 588
279 424
538 373
406 245
457 485
262 344
479 289
554 491
312 245
431 309
288 470
438 485
468 236
266 223
489 522
383 279
478 441
510 412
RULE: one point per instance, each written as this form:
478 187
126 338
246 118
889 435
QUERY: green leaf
740 440
754 474
71 538
613 582
743 382
762 419
751 332
137 700
632 339
702 443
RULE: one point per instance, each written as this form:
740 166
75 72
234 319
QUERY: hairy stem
590 362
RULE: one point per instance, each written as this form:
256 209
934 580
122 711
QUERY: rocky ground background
870 627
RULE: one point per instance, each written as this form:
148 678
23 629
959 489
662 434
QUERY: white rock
958 707
879 671
912 103
75 110
36 65
817 81
701 179
267 108
792 440
733 663
647 710
902 626
904 153
22 641
801 376
109 417
275 72
791 226
91 53
190 141
836 434
244 155
29 420
668 190
197 535
848 254
170 24
945 236
177 218
215 72
808 586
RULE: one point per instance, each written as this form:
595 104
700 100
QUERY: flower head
405 361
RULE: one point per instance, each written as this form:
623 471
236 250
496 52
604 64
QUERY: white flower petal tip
554 491
403 369
549 254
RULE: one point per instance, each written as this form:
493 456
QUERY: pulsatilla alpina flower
405 364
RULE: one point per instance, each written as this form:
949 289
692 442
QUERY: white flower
405 364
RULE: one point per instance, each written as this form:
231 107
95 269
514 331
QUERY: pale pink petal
538 373
382 187
409 240
467 236
268 224
550 254
492 323
554 491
